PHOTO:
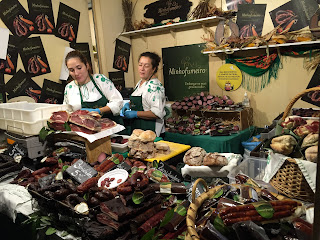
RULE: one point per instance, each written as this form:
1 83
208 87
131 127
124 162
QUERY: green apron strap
103 101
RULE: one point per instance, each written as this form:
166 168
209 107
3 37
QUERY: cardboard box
93 149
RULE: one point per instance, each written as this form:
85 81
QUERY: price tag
16 150
47 180
172 174
81 171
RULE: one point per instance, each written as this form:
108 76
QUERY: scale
31 144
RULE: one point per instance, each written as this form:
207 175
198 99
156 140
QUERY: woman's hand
125 108
131 114
92 110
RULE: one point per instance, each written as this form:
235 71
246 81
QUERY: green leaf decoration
219 225
65 167
51 231
45 222
60 160
167 218
44 132
181 210
64 234
265 209
115 160
149 235
155 164
137 197
218 193
86 196
66 126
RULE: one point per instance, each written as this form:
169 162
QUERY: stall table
222 144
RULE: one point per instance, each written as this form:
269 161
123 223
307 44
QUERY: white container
21 127
117 147
29 112
251 166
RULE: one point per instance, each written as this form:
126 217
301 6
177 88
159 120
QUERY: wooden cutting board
175 149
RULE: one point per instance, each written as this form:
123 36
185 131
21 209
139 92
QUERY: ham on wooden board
59 117
86 121
80 121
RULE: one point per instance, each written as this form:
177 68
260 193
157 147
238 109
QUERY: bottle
245 101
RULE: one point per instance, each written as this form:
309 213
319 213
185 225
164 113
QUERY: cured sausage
86 185
152 222
125 188
41 170
143 180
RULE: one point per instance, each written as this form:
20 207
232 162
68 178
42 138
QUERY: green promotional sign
185 71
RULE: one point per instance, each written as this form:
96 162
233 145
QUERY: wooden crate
244 116
93 149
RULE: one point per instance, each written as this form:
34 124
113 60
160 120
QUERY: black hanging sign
16 18
9 65
67 23
250 19
84 49
81 171
40 11
16 149
168 171
313 97
22 85
118 79
121 55
52 92
167 10
33 56
293 15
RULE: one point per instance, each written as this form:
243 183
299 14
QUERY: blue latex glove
125 108
131 114
92 110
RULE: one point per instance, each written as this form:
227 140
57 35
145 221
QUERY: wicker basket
290 182
289 179
193 208
197 202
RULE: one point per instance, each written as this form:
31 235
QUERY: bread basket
197 202
289 179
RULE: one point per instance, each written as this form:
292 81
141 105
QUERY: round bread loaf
194 156
214 159
137 132
147 136
311 154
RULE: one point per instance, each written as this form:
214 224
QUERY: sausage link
85 186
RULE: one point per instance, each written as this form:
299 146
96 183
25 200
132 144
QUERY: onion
225 97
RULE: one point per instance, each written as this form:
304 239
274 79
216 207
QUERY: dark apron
102 102
138 123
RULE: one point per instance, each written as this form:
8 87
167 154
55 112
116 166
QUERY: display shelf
170 27
262 47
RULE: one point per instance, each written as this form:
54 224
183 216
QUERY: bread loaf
162 148
194 156
311 154
141 144
310 140
214 159
283 144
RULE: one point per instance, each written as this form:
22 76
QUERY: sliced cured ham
57 126
59 117
86 121
106 123
86 112
76 128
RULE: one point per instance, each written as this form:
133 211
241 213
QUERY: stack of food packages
150 203
299 138
189 117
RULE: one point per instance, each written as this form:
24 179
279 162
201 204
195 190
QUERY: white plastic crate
120 148
21 127
29 112
251 166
